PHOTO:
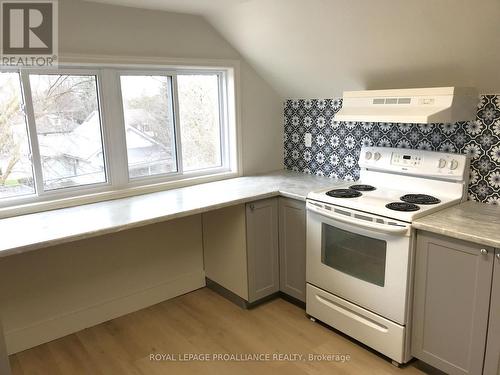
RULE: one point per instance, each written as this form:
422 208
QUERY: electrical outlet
308 139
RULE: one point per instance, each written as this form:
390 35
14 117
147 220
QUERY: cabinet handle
498 255
484 252
252 206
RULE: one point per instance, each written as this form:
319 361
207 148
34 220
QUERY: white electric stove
360 242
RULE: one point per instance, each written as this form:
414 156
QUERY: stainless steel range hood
423 105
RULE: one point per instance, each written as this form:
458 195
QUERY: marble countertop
469 221
34 231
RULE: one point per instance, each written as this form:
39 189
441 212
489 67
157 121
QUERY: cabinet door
492 359
262 248
451 303
225 248
292 243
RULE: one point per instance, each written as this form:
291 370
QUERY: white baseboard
64 324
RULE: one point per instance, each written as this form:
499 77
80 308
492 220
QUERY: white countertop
469 221
34 231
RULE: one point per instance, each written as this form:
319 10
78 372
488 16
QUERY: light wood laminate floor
201 322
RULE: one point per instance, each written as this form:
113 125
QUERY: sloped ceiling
200 7
318 48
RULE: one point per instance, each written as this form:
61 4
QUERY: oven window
356 255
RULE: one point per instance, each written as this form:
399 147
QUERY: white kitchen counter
34 231
470 221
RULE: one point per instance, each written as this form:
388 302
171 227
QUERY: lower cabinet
292 244
451 304
262 248
225 249
492 358
257 249
240 246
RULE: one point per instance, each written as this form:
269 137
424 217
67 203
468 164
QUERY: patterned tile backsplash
336 145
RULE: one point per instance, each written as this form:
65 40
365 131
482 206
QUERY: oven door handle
393 229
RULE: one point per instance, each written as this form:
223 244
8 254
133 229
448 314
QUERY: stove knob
377 156
453 164
368 155
442 163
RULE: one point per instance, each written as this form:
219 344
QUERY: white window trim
177 146
225 142
113 132
33 139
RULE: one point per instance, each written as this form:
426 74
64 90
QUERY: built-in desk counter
34 231
98 261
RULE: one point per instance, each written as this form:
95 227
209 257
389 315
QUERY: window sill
48 205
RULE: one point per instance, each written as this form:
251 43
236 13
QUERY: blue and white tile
337 144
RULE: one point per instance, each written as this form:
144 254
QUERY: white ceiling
200 7
318 48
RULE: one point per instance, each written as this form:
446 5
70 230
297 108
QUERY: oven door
360 257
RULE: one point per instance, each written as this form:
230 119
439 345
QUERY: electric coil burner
402 206
362 187
419 199
343 193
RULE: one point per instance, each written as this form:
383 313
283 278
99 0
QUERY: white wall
52 292
98 29
59 290
318 48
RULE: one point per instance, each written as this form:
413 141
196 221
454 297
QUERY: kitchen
139 219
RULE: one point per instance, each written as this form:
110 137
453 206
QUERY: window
50 133
71 132
68 129
200 121
16 174
149 124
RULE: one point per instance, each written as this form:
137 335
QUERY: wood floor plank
106 352
72 357
203 322
16 366
37 361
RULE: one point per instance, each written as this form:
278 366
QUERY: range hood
423 105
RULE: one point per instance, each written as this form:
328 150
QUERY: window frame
22 109
223 125
118 182
33 136
174 112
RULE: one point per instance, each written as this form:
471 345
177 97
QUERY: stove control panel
415 162
406 160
